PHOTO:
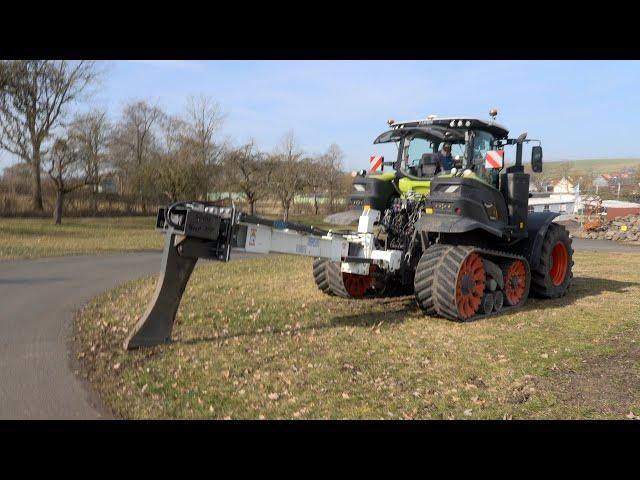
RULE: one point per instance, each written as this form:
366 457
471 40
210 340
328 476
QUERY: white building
561 202
564 185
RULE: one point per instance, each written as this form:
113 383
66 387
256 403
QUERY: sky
579 109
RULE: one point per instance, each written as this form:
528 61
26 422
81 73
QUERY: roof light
452 123
459 123
467 123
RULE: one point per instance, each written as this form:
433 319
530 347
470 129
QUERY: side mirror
536 159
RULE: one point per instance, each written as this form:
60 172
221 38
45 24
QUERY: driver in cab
445 159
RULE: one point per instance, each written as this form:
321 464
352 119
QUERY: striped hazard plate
375 163
494 159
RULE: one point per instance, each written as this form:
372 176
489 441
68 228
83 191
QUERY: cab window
414 149
481 145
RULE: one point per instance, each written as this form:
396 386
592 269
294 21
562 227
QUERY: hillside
586 167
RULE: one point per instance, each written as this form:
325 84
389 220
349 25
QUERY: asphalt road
583 244
38 299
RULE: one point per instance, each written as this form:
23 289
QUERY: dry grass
40 237
256 339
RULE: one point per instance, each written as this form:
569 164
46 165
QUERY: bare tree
65 168
177 172
91 131
332 163
34 95
287 177
244 168
204 120
133 146
315 175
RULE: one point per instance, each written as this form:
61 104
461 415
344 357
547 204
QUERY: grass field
40 237
584 167
256 339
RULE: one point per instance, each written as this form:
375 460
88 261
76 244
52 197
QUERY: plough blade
155 326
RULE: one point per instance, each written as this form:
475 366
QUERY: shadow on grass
581 287
401 305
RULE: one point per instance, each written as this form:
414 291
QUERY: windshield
414 148
457 150
483 143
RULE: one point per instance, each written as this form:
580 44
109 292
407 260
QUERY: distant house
553 202
600 182
616 208
107 185
564 185
235 196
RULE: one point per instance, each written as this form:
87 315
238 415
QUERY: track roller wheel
552 277
498 301
470 286
516 285
488 301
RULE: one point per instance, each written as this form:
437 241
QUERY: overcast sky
584 109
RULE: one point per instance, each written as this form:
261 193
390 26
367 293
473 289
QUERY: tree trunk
285 210
57 211
36 194
315 202
251 206
94 200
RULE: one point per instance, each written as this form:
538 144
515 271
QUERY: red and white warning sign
494 159
375 163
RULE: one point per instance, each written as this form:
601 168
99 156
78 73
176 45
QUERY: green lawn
256 339
40 237
584 167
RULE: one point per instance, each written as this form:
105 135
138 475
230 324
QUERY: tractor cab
416 165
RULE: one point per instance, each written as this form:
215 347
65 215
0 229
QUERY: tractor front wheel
328 277
552 277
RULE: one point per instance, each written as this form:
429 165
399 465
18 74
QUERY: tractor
463 240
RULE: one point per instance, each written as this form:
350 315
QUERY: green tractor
469 246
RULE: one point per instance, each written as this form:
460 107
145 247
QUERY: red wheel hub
515 282
470 286
357 285
559 263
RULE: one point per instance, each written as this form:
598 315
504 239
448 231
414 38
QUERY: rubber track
445 276
328 277
423 280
